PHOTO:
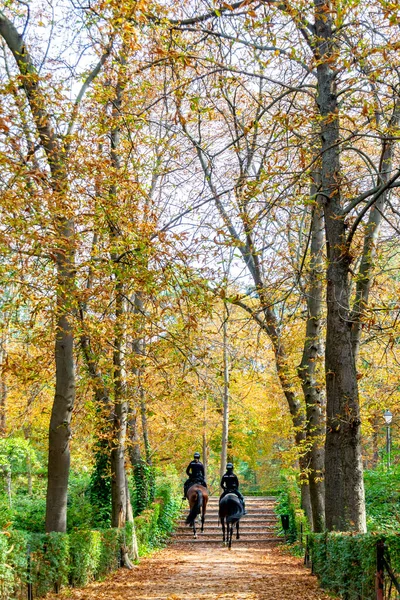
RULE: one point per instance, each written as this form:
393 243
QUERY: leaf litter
207 572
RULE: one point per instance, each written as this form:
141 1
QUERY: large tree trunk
118 474
345 504
60 422
59 433
296 410
131 546
313 394
118 486
225 400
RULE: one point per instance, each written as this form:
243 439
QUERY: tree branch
88 81
377 190
366 208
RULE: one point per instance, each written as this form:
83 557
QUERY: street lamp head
387 415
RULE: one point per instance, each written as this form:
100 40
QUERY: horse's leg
223 529
230 532
194 530
237 531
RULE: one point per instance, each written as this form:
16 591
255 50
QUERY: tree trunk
3 389
144 470
295 408
59 432
118 475
314 396
134 439
132 543
345 504
60 422
225 416
145 429
205 442
118 484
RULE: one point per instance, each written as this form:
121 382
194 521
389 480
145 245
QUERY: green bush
29 513
18 542
85 552
156 523
100 484
81 513
7 581
146 525
6 513
346 563
56 559
80 556
143 487
50 561
109 551
382 498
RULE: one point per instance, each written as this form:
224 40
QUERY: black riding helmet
196 455
229 467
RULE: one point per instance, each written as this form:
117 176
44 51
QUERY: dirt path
208 573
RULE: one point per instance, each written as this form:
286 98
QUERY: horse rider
230 485
195 472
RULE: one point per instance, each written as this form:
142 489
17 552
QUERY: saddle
196 481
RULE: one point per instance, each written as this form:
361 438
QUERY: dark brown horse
198 497
230 511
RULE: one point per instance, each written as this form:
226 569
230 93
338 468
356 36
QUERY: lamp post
387 415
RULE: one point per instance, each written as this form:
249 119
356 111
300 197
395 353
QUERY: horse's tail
238 514
196 509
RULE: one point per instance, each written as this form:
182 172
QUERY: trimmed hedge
76 558
56 560
345 563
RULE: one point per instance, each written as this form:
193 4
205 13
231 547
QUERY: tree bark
138 348
345 504
118 468
132 544
205 441
3 388
60 422
118 484
314 396
135 454
145 428
225 400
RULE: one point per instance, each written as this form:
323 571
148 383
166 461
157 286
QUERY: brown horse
198 497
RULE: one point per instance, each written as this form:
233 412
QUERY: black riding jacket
229 481
195 470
